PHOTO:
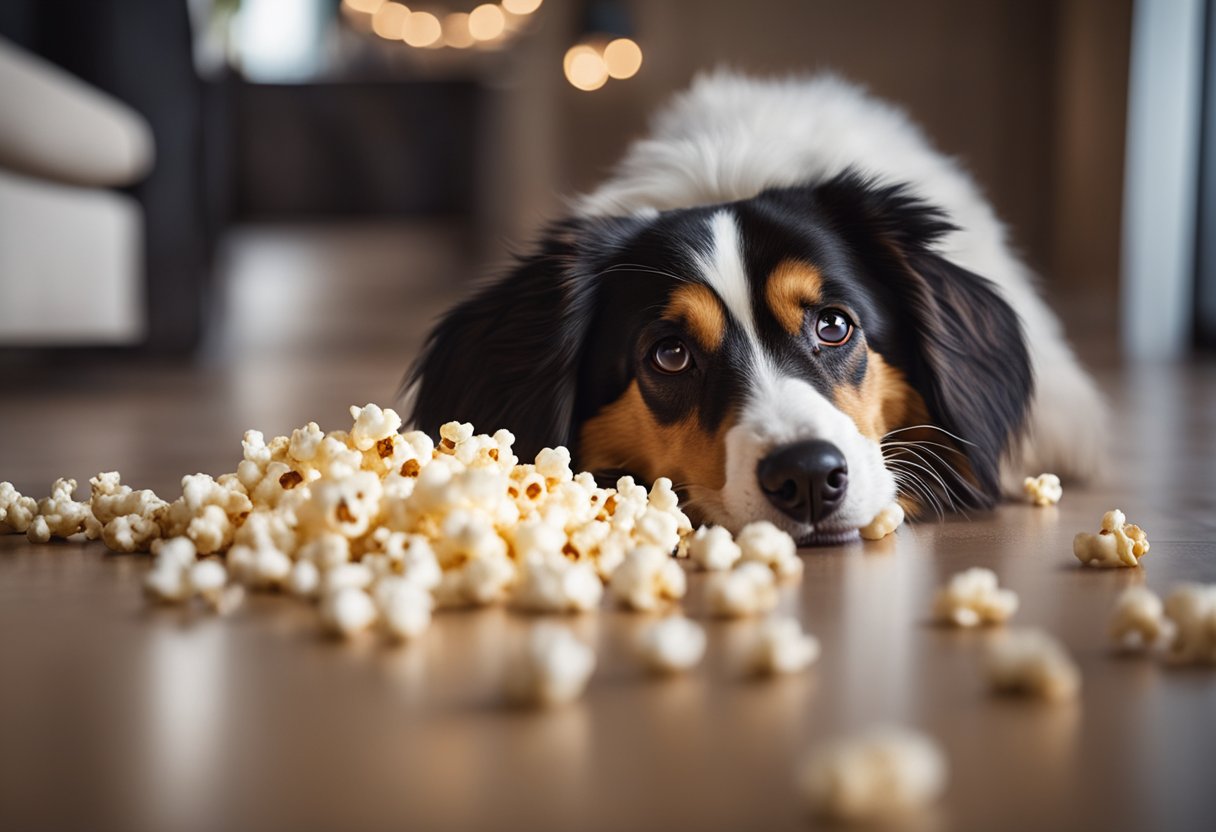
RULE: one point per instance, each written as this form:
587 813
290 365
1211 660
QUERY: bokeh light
585 68
623 58
422 29
521 6
486 22
365 6
389 20
456 31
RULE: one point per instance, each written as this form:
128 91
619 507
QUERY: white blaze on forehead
723 270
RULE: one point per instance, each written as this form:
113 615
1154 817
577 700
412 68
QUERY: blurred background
273 198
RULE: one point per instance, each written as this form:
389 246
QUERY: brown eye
833 327
670 356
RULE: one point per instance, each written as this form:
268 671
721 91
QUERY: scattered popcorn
1043 490
782 647
748 589
1117 544
762 542
672 644
348 612
552 669
558 587
713 549
1191 609
207 512
647 578
884 523
16 511
1139 620
1032 663
971 598
879 774
405 607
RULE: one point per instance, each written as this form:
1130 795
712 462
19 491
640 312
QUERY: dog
788 302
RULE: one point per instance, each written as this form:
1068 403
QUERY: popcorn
552 669
208 579
1192 610
16 511
348 612
713 549
477 582
59 515
971 598
1043 490
782 647
304 580
126 520
1032 663
672 644
373 425
1139 621
558 587
207 512
762 542
884 523
169 579
879 774
404 607
1117 544
749 589
130 533
647 578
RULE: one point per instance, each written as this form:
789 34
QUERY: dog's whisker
953 436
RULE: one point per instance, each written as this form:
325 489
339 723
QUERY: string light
389 20
365 6
489 24
486 22
422 29
521 6
623 58
585 68
456 31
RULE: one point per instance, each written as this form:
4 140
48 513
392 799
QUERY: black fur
508 357
960 344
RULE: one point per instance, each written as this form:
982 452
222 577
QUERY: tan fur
626 435
791 288
699 310
882 402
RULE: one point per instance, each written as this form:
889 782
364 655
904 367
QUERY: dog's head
802 356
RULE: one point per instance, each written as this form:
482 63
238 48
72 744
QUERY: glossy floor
117 716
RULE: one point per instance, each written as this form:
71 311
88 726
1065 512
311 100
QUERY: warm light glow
623 58
422 29
365 6
585 68
389 21
486 22
456 31
521 6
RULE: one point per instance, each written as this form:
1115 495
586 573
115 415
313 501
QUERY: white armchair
71 247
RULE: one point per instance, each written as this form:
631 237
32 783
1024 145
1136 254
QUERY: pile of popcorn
379 528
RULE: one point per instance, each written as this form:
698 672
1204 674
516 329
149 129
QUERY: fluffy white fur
729 137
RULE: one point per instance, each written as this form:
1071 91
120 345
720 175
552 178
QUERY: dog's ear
508 356
960 343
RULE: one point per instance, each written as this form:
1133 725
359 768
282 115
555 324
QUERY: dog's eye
833 327
670 356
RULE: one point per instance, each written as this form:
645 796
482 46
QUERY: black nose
806 480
